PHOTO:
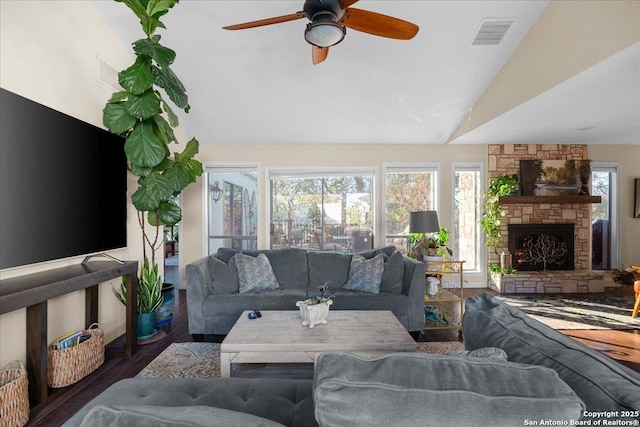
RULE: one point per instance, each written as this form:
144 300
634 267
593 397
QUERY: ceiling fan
329 19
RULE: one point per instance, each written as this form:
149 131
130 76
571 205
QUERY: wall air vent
108 75
491 32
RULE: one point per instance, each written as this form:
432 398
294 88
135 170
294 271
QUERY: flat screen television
63 185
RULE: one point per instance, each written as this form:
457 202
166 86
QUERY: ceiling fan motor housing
312 7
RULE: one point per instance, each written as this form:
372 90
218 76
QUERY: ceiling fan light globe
324 31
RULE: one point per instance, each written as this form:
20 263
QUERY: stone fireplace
538 211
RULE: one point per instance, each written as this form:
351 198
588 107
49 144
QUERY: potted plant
149 298
314 310
438 243
141 114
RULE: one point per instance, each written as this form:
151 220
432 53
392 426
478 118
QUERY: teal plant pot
146 324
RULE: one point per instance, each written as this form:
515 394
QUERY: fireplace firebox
536 247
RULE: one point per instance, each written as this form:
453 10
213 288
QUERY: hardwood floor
623 346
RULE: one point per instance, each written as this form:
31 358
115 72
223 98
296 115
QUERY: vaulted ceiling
564 72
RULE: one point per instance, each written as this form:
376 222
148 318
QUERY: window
467 197
604 216
232 208
329 211
407 189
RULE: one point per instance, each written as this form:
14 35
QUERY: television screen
63 185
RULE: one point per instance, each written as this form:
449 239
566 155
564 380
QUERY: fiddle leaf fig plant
142 115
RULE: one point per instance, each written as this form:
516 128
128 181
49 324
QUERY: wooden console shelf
510 200
32 291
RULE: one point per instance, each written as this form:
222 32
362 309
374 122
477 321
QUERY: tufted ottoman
284 401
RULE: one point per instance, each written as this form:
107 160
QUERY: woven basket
14 395
70 365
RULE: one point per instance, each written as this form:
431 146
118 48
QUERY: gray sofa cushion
289 266
288 402
365 275
158 416
434 390
393 273
225 254
601 383
254 273
328 267
224 277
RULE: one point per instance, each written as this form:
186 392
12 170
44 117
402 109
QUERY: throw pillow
410 389
365 275
255 274
393 274
224 277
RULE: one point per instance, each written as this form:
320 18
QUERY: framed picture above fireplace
636 212
549 177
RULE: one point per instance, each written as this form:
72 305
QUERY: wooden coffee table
280 337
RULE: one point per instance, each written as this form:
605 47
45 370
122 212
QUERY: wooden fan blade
268 21
378 24
346 3
319 54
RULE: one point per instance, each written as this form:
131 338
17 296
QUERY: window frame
228 168
481 249
319 172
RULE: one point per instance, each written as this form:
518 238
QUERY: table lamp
422 222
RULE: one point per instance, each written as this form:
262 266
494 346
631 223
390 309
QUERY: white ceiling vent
491 32
108 75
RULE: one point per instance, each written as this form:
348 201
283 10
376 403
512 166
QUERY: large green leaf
194 168
138 77
157 8
170 213
173 119
142 201
140 171
149 23
166 79
119 96
117 119
144 106
143 147
179 177
150 47
189 151
158 186
164 128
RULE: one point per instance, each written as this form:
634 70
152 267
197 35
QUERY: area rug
197 359
578 312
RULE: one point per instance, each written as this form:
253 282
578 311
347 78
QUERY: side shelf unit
440 309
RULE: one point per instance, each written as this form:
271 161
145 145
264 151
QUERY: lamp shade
423 222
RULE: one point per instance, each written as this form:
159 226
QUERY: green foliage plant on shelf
503 185
438 242
141 115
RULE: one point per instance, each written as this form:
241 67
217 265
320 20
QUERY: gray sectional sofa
548 377
215 299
